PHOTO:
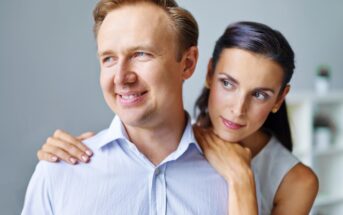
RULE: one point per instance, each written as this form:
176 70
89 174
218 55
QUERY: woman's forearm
242 195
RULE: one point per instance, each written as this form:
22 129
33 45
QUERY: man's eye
108 61
139 54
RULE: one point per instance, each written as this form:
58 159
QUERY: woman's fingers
85 135
42 155
66 137
64 146
69 148
49 150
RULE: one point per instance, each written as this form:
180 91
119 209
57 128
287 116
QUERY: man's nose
124 74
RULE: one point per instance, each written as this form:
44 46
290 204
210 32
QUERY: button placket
161 194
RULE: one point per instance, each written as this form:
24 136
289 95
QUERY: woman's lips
231 125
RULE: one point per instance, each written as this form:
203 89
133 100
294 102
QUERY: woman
242 124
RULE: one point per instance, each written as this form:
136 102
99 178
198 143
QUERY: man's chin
133 120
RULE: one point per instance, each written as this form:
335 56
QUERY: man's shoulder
51 170
99 138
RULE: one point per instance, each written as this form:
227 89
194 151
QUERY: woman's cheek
260 115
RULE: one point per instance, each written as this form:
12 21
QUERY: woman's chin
233 138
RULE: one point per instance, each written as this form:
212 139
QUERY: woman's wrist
240 176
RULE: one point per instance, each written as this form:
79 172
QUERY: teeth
128 97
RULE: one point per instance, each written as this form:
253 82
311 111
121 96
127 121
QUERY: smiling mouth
131 99
231 125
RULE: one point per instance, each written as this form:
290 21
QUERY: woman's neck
256 142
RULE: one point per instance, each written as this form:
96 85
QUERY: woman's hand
233 162
63 146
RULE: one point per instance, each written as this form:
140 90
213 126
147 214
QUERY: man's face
141 78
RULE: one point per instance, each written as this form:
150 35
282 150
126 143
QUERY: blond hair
185 25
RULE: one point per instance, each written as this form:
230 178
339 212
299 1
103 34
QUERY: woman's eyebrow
229 77
265 89
232 79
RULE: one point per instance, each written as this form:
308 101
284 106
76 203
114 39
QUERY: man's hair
185 25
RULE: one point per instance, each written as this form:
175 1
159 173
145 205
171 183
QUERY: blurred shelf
327 162
332 150
329 97
325 200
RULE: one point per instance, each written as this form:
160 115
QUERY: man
147 161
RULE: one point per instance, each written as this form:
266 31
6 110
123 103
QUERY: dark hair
260 39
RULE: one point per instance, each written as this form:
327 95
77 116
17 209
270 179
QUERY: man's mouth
130 99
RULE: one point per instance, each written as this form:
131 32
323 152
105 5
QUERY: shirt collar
188 137
117 131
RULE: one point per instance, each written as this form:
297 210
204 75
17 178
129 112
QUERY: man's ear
281 98
190 59
209 74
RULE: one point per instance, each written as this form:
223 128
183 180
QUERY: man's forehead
141 13
137 25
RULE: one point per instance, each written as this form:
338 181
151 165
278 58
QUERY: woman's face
244 88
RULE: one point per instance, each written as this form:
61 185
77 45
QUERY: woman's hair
263 40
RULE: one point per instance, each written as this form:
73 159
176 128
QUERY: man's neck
159 141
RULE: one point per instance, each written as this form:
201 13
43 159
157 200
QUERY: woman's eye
227 83
261 95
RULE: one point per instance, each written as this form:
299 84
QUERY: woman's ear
209 74
281 98
190 61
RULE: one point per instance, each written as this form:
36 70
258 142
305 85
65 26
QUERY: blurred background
49 79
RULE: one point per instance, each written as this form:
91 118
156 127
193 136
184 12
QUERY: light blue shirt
121 180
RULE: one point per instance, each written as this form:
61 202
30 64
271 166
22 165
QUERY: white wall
49 69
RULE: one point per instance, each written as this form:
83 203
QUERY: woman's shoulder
300 177
298 189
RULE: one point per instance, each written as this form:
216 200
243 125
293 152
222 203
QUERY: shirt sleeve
38 196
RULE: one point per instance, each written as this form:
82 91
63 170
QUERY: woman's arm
232 161
63 146
296 192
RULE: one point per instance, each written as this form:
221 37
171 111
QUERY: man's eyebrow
141 47
104 53
132 49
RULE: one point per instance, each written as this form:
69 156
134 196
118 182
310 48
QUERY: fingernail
89 153
84 158
72 160
53 158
